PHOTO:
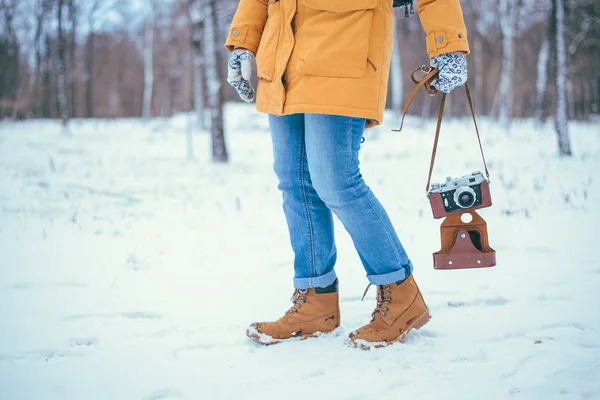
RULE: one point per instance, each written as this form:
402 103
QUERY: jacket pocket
335 38
267 48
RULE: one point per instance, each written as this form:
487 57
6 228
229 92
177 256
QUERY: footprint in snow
191 348
164 394
70 284
141 315
20 286
512 392
544 298
28 285
83 342
129 315
495 301
40 354
314 374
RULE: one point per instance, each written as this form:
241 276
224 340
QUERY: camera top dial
473 178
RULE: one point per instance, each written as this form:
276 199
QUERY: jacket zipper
372 65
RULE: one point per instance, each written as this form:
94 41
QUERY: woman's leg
310 222
332 146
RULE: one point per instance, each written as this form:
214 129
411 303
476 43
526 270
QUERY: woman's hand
452 71
240 71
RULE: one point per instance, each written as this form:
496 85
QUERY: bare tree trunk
89 75
508 17
61 78
196 21
596 96
42 8
37 78
561 118
89 60
213 83
9 8
396 77
10 62
199 107
148 64
542 79
589 109
195 16
175 104
72 62
48 98
583 108
174 80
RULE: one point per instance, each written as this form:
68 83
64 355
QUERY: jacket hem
369 114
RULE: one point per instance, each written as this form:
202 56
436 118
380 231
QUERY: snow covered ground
130 273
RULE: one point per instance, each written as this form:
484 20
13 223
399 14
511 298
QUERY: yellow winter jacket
333 56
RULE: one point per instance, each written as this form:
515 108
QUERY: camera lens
465 200
464 197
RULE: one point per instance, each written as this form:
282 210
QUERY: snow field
131 273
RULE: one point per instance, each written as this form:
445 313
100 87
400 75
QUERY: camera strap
426 80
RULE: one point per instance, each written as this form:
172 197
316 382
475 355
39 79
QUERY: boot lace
299 298
384 298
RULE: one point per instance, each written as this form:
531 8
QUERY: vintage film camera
464 233
459 195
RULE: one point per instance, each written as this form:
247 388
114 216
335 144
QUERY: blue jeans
316 162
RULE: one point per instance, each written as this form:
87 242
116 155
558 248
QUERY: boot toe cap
260 332
367 334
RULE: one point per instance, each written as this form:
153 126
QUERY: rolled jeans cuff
391 277
317 281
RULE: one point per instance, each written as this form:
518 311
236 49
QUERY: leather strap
487 173
430 75
435 141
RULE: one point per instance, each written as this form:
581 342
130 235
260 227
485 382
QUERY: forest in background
113 59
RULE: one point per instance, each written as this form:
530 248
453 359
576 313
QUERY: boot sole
267 340
417 324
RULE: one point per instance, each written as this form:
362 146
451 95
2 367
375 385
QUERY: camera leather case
464 244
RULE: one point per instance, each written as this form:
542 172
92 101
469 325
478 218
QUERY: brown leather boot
400 308
315 312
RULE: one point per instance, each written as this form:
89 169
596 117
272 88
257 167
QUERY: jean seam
387 232
307 208
367 200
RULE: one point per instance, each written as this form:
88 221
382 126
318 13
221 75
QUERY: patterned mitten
453 71
239 72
